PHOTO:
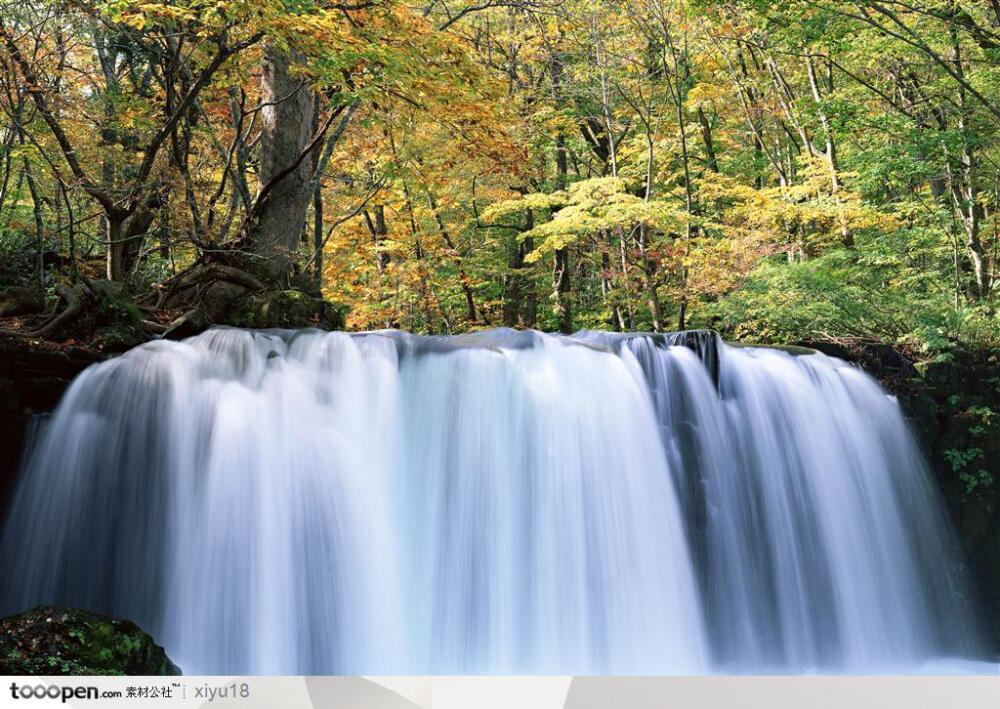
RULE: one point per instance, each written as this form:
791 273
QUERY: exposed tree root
203 295
74 298
154 327
95 308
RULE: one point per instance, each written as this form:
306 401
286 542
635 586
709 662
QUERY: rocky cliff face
955 407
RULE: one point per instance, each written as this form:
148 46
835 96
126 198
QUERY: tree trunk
530 300
380 231
560 287
846 237
711 159
560 259
317 200
517 283
463 278
965 191
36 209
116 270
512 284
125 237
286 128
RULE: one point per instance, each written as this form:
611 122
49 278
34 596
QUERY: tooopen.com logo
55 691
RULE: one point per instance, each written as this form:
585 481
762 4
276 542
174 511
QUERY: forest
774 171
811 176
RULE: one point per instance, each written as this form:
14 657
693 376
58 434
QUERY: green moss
46 641
288 309
116 317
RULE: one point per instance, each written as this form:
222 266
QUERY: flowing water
503 502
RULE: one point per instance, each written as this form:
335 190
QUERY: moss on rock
67 641
115 317
288 309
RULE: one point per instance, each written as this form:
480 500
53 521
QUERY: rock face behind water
33 376
66 641
953 404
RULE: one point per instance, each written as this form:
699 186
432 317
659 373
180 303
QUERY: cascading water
504 502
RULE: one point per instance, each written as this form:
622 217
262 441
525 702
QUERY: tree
129 206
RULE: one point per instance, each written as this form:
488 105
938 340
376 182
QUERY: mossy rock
289 309
228 303
115 316
109 319
18 300
67 641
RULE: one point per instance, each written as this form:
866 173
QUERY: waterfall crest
501 502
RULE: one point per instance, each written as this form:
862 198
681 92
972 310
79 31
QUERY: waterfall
500 502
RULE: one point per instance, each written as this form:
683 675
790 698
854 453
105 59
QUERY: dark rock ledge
34 374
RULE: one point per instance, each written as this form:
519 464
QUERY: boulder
17 300
67 641
288 309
